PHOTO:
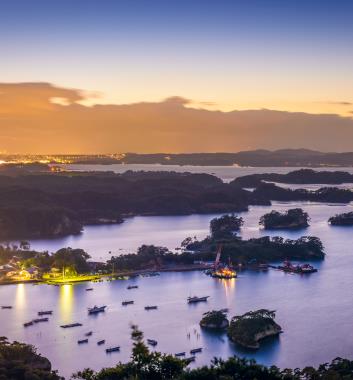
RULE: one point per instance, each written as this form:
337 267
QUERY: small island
250 328
345 219
294 218
226 226
215 320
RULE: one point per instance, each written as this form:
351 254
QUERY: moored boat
71 325
28 324
195 350
224 273
89 333
132 287
6 307
196 299
300 269
38 320
81 341
100 342
112 349
47 312
180 354
124 303
96 309
154 307
152 342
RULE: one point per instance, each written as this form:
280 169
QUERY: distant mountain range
256 158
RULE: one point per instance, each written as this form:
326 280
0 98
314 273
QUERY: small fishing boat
112 349
152 342
132 287
300 269
96 309
151 307
124 303
180 354
197 299
82 341
71 325
6 307
48 312
89 333
38 320
89 289
28 324
100 342
195 350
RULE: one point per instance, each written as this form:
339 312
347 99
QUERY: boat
301 269
189 359
224 273
48 312
71 325
124 303
219 270
100 342
28 324
151 274
89 289
112 349
40 320
96 309
197 299
195 350
307 268
151 307
152 342
132 287
180 354
6 307
89 333
82 341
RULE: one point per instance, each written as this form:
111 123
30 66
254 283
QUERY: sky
293 56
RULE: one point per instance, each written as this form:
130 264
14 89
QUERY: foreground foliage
20 361
146 365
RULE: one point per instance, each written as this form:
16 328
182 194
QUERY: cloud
340 103
30 122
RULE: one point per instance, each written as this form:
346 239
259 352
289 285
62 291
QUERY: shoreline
132 273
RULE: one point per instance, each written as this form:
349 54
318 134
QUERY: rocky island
260 250
250 328
215 320
292 219
345 219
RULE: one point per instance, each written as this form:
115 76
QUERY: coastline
88 278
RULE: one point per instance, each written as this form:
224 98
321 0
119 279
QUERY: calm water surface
315 311
226 173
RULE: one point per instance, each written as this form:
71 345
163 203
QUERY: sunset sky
223 55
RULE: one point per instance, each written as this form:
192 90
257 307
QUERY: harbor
175 322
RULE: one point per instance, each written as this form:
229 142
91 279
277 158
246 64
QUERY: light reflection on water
66 301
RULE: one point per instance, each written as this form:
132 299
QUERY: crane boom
218 256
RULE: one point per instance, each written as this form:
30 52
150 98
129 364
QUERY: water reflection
66 301
20 297
229 288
